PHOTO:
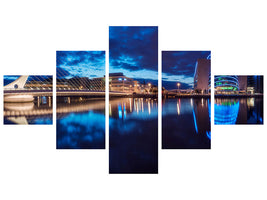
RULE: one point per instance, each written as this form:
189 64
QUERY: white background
32 168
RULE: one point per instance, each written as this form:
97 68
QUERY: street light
178 84
149 85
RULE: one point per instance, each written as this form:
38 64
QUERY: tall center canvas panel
133 99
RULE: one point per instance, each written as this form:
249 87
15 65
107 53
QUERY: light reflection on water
80 124
133 140
226 111
238 111
186 123
23 113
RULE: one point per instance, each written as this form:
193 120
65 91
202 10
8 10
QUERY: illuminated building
36 84
254 84
238 84
226 84
242 80
120 83
136 87
202 76
82 83
97 84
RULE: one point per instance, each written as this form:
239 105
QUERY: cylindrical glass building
226 84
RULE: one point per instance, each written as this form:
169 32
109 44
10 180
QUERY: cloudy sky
179 66
10 78
134 52
80 63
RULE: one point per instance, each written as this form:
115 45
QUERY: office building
202 76
120 83
254 84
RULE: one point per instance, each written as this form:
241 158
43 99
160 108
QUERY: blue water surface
83 127
133 136
186 123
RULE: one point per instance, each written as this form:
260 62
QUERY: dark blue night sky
179 66
10 78
134 52
80 63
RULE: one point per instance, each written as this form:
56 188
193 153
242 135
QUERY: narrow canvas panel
186 100
28 99
133 99
238 99
80 99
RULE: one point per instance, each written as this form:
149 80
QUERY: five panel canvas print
133 99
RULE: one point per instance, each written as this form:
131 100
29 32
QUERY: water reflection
226 111
133 140
238 111
80 123
37 112
186 123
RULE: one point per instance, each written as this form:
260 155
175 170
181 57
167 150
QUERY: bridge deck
64 93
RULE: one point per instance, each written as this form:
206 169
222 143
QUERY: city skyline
134 52
179 67
238 84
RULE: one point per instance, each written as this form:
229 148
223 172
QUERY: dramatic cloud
10 78
80 63
61 73
179 66
133 50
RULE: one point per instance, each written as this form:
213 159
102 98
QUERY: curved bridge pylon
17 84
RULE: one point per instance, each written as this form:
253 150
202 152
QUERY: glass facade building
202 76
226 84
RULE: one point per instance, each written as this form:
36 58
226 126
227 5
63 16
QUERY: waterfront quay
172 96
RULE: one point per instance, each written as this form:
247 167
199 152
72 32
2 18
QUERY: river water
238 110
80 123
133 135
37 112
186 123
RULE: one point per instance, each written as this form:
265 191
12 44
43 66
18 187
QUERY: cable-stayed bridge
25 88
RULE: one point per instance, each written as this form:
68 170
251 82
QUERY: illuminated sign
226 83
226 88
